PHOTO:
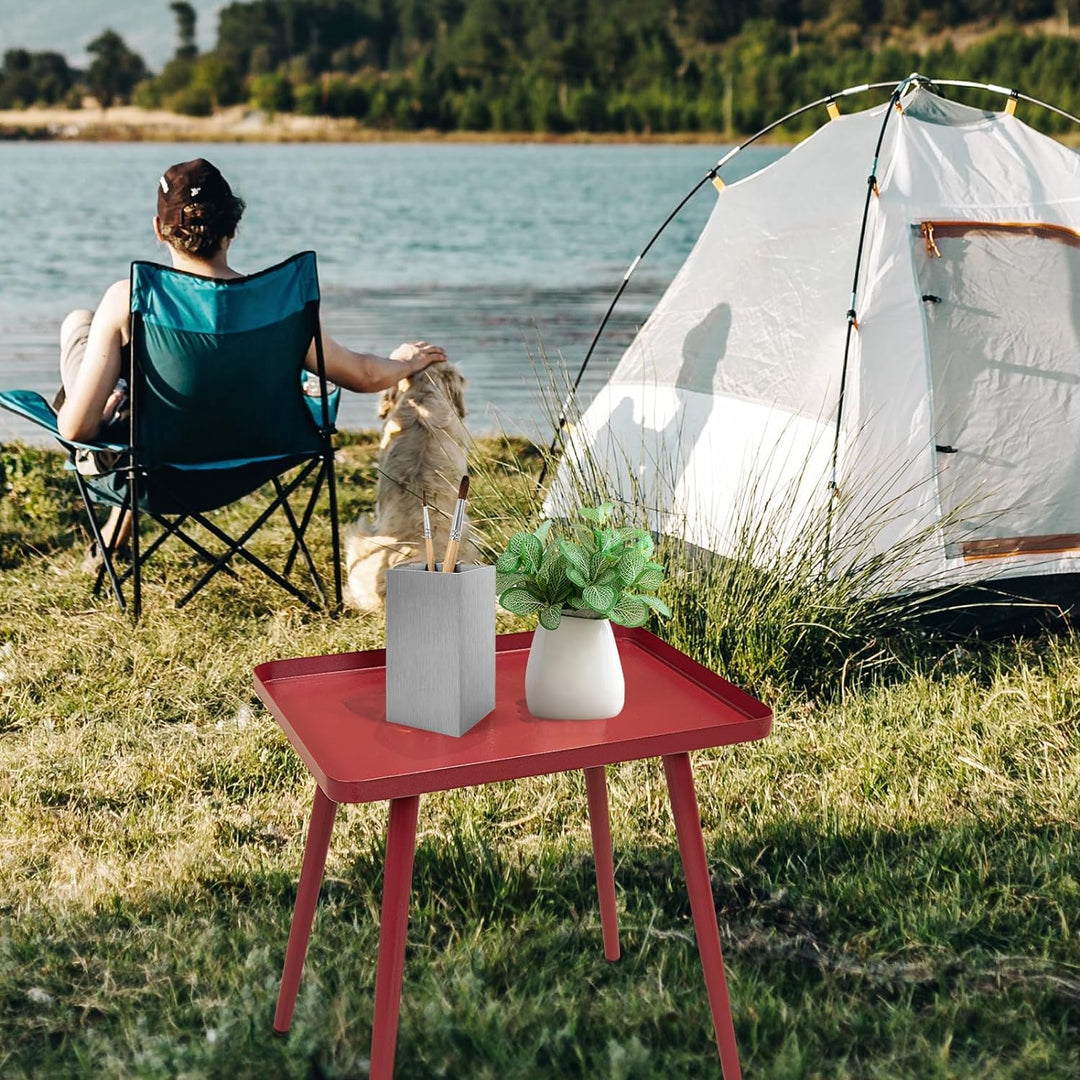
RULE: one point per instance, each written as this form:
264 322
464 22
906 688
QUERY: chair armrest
31 406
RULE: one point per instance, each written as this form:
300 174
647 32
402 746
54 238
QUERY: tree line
628 66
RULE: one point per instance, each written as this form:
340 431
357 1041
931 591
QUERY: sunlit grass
896 869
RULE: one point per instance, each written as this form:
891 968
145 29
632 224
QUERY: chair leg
236 546
328 458
172 525
308 511
298 537
136 561
95 529
176 528
237 549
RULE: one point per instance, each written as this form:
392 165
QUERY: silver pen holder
440 646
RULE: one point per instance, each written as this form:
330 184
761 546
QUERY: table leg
323 812
684 807
600 826
397 884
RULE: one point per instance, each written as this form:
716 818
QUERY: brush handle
450 559
429 547
457 523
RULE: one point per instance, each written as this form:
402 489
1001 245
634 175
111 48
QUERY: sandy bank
127 123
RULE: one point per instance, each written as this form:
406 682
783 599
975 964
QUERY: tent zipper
932 251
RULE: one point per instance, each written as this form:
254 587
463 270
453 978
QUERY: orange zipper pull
932 251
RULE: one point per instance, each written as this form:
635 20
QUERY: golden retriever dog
423 449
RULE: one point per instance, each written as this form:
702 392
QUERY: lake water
500 253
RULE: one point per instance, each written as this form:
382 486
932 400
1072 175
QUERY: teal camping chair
217 411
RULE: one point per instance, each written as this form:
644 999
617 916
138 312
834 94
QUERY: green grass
896 869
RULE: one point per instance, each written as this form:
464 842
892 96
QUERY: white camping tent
960 420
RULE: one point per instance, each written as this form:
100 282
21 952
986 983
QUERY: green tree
115 69
18 88
186 17
621 65
53 79
272 93
473 113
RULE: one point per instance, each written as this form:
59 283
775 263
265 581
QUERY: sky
65 26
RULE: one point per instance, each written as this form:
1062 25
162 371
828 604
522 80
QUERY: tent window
1002 315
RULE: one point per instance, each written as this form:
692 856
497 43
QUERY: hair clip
164 185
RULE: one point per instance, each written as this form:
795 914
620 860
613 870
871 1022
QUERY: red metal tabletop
332 708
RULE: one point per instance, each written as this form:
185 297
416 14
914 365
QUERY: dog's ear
388 400
455 389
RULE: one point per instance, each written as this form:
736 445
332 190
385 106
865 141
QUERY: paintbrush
456 525
428 545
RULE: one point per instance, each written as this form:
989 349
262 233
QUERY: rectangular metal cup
440 646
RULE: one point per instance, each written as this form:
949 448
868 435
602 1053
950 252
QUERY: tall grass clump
801 602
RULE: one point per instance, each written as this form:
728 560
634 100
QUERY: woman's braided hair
197 208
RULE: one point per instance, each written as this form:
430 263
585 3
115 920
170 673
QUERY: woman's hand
417 355
114 403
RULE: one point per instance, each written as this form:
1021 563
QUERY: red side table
332 708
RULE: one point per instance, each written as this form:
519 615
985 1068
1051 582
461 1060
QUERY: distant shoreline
241 124
128 123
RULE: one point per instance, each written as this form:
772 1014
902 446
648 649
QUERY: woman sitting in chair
197 215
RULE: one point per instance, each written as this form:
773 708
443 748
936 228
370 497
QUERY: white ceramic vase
574 673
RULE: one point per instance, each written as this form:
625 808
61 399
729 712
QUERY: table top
333 710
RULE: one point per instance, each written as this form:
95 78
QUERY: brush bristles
463 489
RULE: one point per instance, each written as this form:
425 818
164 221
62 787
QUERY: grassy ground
895 869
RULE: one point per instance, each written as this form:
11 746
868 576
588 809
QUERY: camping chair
217 411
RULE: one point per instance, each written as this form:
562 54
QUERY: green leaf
604 511
631 566
597 565
529 549
610 540
656 604
630 611
649 580
520 601
640 539
507 563
573 554
590 513
552 569
508 581
551 616
541 533
601 598
576 576
584 537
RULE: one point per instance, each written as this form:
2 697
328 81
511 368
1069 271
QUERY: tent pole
561 424
852 316
710 175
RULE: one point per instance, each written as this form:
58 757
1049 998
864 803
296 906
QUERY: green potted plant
578 580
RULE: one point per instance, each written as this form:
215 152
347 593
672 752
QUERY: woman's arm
365 372
90 402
